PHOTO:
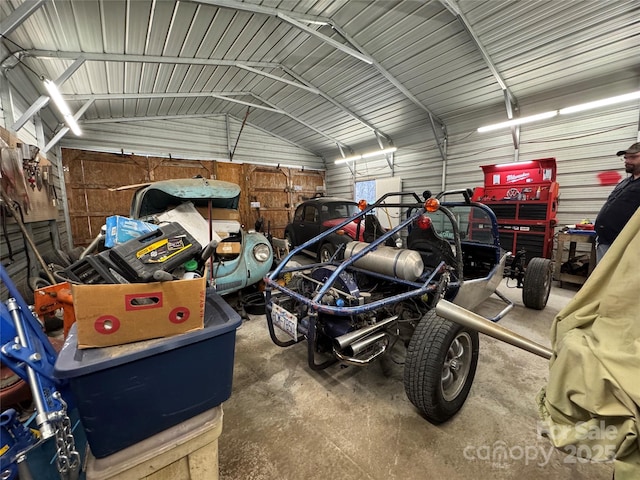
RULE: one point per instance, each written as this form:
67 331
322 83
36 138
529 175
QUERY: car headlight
261 252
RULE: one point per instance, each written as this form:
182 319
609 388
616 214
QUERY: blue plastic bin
130 392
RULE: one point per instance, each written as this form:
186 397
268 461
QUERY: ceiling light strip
563 111
601 103
54 93
375 153
518 121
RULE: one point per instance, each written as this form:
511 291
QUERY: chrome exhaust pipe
378 340
347 339
474 321
361 345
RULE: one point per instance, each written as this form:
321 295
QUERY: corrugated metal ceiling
296 62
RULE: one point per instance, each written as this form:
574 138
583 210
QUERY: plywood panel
230 172
103 169
169 169
277 191
305 185
235 173
90 180
92 177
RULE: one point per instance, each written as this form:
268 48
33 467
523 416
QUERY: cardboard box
109 315
228 248
122 229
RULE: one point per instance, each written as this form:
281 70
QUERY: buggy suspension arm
474 321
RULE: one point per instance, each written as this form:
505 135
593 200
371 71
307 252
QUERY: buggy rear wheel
537 283
440 366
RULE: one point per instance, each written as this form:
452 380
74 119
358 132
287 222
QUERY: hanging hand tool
28 238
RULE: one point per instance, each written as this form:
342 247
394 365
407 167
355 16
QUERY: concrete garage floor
284 421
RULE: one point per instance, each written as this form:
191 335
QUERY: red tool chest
524 197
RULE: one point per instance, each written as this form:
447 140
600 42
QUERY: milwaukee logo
517 178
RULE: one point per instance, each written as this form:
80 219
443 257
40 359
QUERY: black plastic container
130 392
165 249
94 269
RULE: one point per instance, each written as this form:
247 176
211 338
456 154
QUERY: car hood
160 196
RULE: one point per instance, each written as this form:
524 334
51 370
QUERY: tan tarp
591 403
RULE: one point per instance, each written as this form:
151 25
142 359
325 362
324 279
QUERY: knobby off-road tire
537 283
440 366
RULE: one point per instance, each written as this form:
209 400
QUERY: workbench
571 240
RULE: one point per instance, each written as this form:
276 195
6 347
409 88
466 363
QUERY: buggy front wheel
441 362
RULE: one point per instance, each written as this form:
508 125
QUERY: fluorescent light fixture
519 121
563 111
601 103
54 93
375 153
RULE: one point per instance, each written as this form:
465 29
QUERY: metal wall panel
340 182
583 151
583 144
194 139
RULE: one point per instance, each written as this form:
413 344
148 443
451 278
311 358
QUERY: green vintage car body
231 272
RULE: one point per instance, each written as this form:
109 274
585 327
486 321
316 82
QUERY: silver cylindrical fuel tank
395 262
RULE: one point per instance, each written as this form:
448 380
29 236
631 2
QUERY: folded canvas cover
592 400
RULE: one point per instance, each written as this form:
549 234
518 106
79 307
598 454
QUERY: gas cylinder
392 261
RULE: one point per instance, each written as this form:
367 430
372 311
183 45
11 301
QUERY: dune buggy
370 297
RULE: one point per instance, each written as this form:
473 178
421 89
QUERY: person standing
622 203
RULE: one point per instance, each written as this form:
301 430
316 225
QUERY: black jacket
622 203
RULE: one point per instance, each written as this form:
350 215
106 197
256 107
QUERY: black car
319 214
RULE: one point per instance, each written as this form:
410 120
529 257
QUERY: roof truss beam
395 82
296 20
137 96
328 40
293 20
63 131
43 100
297 84
198 61
6 99
510 100
95 121
190 116
222 96
19 15
248 66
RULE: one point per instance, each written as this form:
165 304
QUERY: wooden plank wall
91 178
